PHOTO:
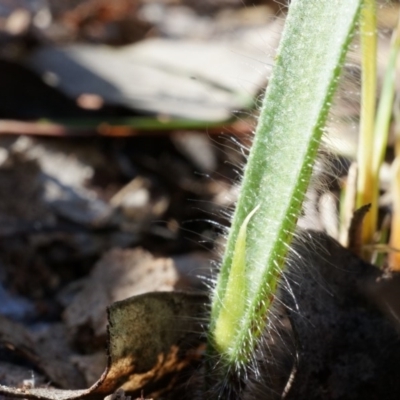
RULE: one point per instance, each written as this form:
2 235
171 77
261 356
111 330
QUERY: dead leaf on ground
151 337
118 275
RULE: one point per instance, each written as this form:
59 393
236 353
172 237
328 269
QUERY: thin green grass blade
142 123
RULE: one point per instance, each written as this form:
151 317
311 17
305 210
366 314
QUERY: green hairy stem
276 177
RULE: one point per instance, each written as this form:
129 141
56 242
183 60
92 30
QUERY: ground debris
120 395
39 355
118 275
151 338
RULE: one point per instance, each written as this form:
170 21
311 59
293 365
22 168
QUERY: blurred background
123 128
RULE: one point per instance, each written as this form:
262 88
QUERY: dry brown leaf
151 337
118 275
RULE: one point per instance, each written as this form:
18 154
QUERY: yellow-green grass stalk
382 125
383 247
365 185
385 112
394 256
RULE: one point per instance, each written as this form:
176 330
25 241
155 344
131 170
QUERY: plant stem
385 111
276 177
385 108
365 180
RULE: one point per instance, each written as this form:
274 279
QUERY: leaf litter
52 354
150 338
74 249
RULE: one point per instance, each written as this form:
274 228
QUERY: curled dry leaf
355 229
151 337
